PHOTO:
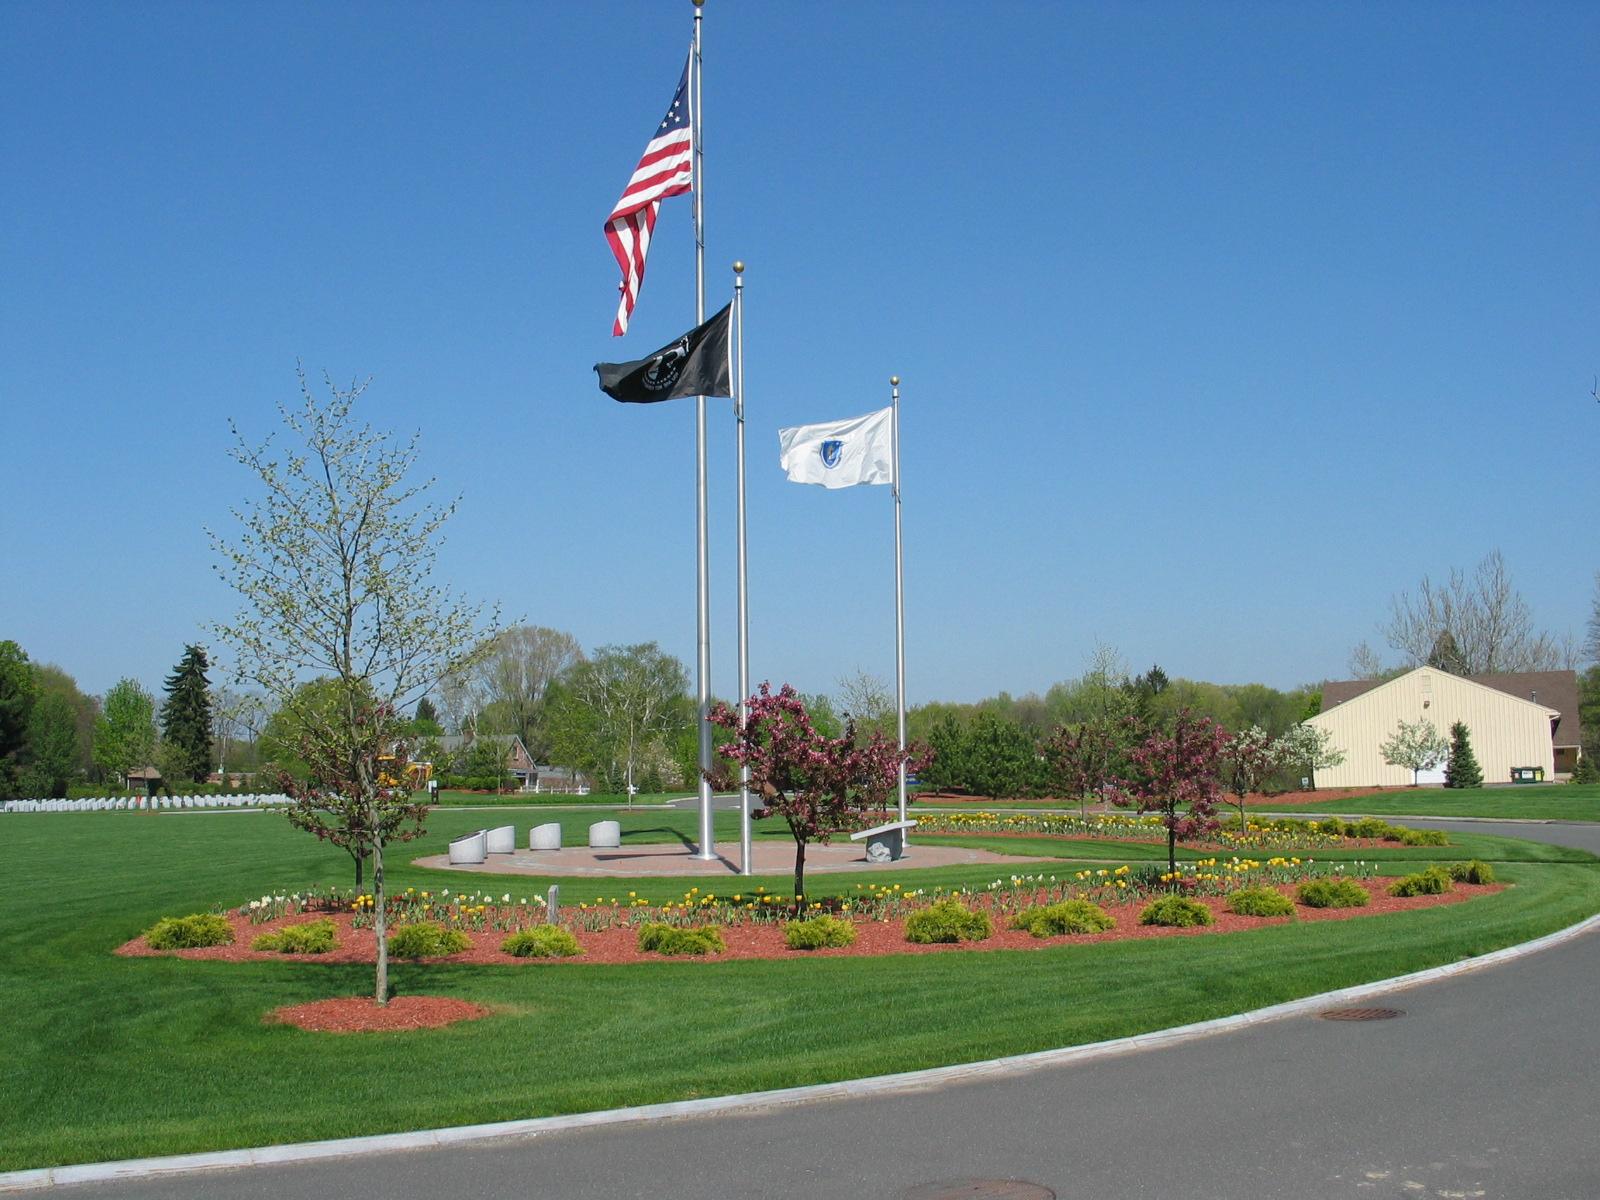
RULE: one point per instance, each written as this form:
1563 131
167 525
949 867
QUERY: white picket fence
144 803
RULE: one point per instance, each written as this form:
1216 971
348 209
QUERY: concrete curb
907 1081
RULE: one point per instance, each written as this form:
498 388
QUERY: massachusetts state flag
840 454
665 169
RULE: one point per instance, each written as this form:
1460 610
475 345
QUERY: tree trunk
379 923
1172 850
360 862
799 870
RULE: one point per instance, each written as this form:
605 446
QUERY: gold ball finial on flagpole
894 381
698 3
738 267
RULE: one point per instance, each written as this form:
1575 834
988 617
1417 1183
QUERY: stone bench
470 849
545 837
605 835
885 843
502 839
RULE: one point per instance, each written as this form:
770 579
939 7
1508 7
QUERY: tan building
1517 720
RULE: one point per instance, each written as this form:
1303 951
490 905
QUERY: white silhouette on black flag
696 364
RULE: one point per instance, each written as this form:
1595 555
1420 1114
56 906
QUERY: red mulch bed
618 944
1288 799
362 1014
1159 838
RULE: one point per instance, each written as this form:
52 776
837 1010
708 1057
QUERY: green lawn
1534 802
102 1057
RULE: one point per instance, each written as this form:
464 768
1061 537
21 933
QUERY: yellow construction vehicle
391 771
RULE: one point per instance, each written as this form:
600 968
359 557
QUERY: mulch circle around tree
766 941
363 1014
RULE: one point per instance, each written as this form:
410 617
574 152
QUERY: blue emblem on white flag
840 454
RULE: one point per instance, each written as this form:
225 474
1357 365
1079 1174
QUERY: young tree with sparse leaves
334 560
1415 745
1177 772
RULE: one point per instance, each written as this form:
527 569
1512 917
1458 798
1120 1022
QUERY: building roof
1552 689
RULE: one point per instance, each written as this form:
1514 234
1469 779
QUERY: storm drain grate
1361 1014
979 1189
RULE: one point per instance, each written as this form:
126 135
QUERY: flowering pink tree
1177 772
818 784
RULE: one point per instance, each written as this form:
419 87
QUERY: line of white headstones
144 803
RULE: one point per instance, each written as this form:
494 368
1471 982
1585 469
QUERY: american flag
665 169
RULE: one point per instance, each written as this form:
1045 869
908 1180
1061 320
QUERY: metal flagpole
707 848
744 592
899 602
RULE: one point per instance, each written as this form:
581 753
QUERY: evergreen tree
186 716
427 712
1463 771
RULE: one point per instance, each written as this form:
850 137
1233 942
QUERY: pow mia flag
697 364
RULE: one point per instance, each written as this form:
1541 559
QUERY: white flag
840 453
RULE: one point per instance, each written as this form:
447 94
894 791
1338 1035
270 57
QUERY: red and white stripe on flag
665 169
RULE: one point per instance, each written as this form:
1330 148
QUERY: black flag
697 364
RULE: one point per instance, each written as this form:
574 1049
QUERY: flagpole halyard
744 591
707 847
899 602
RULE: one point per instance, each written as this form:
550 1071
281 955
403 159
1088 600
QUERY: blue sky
1218 324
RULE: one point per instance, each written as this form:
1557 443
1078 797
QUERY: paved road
1485 1088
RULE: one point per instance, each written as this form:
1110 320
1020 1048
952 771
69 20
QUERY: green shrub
189 933
819 933
1423 837
1177 911
661 938
427 939
310 937
542 941
1435 881
1332 893
1476 871
947 921
1068 916
1367 827
1260 902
